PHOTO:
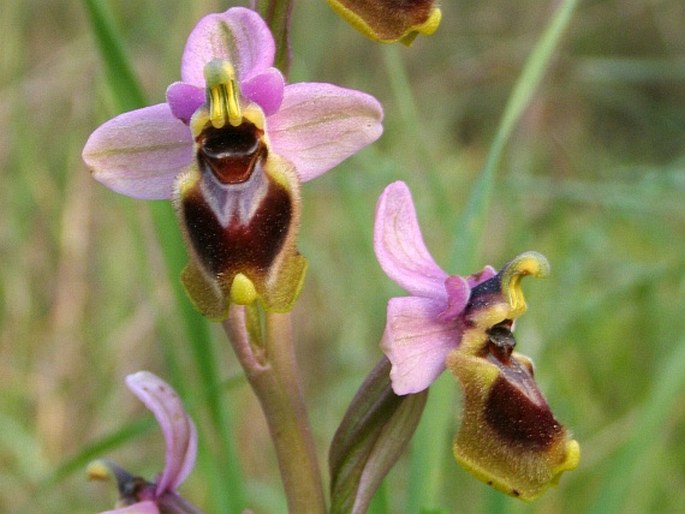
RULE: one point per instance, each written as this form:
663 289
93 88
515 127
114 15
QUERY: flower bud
388 21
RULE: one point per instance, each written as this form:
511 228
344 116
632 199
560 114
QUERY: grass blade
465 253
626 471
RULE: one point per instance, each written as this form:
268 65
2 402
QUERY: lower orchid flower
137 495
230 147
508 437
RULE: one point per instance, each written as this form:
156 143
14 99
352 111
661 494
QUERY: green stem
627 469
277 15
271 368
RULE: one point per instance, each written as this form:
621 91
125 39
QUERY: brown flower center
231 153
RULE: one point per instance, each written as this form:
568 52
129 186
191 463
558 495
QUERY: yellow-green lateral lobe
389 21
508 437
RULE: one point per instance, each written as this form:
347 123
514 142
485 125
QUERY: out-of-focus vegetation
594 178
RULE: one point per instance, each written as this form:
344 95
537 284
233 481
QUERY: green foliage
592 175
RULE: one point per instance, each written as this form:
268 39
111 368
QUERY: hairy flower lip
509 437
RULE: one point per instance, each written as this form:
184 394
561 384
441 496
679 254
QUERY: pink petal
459 290
320 125
146 507
399 245
265 89
485 274
184 99
178 429
416 342
458 293
238 35
139 153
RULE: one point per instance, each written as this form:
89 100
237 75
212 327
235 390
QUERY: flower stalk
277 15
271 369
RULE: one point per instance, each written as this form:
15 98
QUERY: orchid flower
230 147
389 21
139 496
508 437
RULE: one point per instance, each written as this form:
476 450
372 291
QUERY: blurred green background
593 177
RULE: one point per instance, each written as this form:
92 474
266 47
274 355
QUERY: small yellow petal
99 470
243 291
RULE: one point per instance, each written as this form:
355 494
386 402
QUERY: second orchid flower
509 437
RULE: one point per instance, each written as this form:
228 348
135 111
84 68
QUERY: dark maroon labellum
239 247
515 408
517 419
